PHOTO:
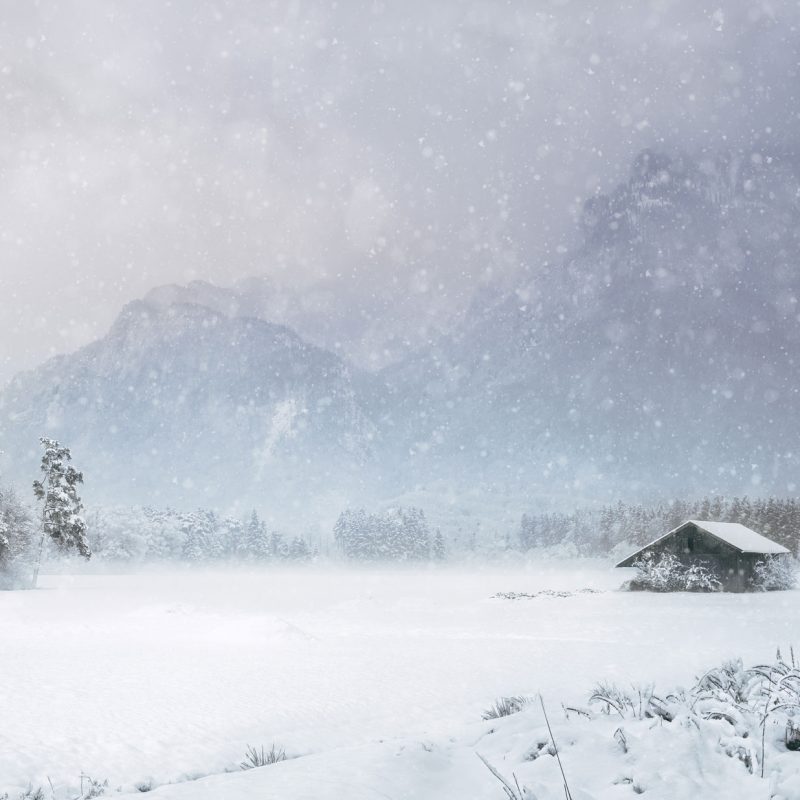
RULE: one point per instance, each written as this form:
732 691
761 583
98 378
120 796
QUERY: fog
397 154
348 347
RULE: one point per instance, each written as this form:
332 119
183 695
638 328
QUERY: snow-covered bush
774 573
736 726
730 682
734 704
698 578
657 573
665 573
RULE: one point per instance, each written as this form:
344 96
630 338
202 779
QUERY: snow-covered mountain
661 356
180 403
370 329
658 358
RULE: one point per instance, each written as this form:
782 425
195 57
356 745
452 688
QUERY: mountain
182 404
369 328
659 358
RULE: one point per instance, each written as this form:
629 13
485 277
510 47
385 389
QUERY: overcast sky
432 144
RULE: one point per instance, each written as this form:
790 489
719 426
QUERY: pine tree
192 546
201 536
214 542
232 535
416 539
390 545
61 506
251 546
439 552
342 532
262 542
606 529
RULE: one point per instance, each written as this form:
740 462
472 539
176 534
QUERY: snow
740 537
661 762
373 680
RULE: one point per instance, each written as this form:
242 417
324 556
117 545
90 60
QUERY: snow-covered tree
393 535
231 535
438 550
62 522
166 537
278 546
298 549
201 536
256 540
416 541
16 541
118 536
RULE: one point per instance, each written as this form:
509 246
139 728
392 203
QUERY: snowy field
160 677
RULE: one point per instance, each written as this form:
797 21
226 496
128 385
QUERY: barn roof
742 538
735 534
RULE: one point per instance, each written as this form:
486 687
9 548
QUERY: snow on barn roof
735 534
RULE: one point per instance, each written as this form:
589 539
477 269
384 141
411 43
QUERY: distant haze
410 150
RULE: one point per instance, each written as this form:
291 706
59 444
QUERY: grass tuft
505 707
259 757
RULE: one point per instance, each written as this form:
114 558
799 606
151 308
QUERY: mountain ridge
246 400
658 357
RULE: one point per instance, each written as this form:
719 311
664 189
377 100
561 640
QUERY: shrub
665 573
658 573
774 573
698 578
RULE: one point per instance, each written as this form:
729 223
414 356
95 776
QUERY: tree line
150 534
398 534
599 532
137 535
58 526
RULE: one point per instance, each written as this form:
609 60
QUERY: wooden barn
729 549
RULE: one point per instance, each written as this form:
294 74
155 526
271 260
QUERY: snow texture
373 680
